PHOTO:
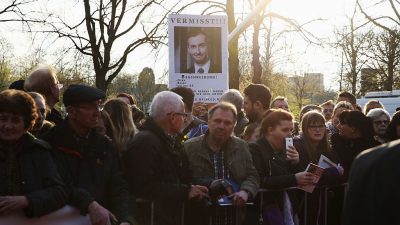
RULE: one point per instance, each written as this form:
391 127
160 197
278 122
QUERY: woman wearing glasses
313 141
380 120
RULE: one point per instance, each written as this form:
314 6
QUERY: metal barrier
324 189
261 193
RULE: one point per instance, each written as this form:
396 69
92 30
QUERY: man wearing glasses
88 161
327 110
155 164
44 81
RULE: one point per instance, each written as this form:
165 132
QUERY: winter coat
155 167
39 179
91 169
238 160
275 173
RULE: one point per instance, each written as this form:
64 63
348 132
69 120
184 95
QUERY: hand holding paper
315 172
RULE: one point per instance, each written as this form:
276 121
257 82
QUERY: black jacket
54 116
156 167
373 192
348 149
91 168
275 172
40 181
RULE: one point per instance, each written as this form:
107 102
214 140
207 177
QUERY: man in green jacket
220 155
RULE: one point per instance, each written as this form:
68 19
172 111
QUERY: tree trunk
392 47
101 81
257 69
233 70
353 71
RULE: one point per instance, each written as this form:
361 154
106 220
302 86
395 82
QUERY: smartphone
288 142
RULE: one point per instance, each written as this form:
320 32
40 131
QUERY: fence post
305 207
183 214
261 219
325 205
152 213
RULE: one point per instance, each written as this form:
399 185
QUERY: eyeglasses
317 127
379 122
42 111
185 115
328 110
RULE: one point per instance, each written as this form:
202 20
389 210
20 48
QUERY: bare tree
384 58
299 88
270 37
16 11
353 43
108 22
385 55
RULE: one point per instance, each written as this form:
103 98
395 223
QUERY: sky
308 58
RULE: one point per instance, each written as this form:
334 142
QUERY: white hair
163 103
234 97
377 112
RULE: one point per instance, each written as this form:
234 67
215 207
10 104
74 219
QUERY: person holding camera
220 155
278 166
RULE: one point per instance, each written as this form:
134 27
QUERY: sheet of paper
325 162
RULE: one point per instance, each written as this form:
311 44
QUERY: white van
389 99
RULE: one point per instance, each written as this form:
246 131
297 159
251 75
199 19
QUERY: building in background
316 80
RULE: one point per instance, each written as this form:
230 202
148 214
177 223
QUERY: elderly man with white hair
156 166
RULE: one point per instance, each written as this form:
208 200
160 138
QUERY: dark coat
54 116
40 181
275 173
348 149
373 193
331 175
315 199
91 169
156 167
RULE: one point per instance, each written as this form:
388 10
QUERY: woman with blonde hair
121 117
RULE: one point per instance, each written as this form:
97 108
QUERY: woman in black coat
29 179
278 167
356 134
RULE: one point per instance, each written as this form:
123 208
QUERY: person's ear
71 111
269 130
258 105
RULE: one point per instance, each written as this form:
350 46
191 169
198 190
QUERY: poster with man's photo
198 55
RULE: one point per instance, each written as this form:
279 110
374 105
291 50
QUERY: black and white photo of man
198 49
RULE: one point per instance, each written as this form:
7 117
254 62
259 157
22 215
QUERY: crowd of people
106 154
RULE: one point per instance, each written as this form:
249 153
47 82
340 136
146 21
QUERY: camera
218 188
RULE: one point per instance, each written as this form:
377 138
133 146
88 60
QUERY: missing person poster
198 55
